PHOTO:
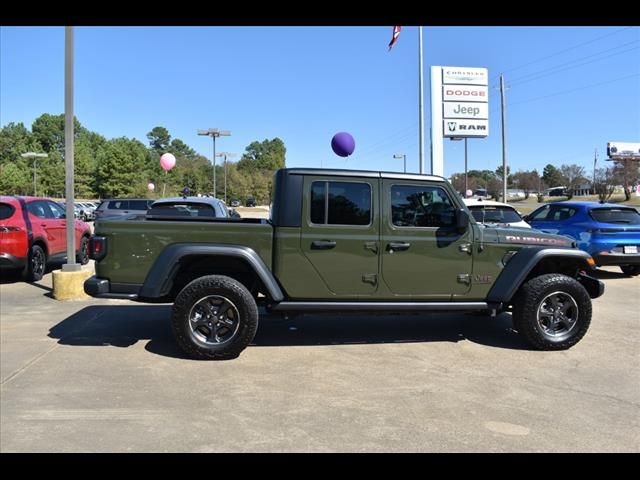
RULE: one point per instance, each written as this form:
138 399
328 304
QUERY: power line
565 66
575 89
563 51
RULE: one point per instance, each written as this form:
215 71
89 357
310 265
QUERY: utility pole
595 160
466 185
225 155
214 132
504 144
71 265
421 107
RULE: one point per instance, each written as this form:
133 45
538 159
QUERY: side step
380 306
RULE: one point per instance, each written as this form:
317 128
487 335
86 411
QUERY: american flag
396 34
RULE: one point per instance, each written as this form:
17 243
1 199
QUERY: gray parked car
119 207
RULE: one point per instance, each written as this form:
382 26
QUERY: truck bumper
102 288
10 261
616 259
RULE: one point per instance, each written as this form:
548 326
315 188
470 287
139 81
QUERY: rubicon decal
537 240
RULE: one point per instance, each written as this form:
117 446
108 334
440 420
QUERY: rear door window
39 209
340 203
138 204
119 205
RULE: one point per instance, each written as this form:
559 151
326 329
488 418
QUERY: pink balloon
151 187
167 161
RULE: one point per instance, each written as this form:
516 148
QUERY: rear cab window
495 214
553 213
183 209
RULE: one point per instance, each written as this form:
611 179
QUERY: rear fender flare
159 280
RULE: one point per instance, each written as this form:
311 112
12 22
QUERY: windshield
495 214
616 215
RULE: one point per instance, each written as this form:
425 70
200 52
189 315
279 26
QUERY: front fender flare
521 264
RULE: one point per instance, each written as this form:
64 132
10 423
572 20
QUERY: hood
533 237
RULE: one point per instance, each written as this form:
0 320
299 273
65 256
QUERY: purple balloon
343 144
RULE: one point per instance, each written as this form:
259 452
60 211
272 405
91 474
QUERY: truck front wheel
214 318
552 312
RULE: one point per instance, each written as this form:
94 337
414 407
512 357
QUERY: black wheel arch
532 262
180 263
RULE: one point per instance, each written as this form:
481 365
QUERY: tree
457 180
605 183
159 139
120 169
628 173
265 155
14 179
552 176
528 181
573 175
48 130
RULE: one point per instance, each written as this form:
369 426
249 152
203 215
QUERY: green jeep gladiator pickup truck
343 241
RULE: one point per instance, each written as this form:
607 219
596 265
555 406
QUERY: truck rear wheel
214 318
632 270
552 312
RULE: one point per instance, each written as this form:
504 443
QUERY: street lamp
34 156
405 160
214 132
225 155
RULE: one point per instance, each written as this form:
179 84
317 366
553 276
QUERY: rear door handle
398 246
322 245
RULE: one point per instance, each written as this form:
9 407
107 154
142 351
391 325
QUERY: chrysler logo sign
464 76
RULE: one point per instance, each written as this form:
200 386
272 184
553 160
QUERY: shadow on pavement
125 325
607 275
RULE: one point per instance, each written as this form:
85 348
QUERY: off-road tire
632 270
528 302
217 287
36 264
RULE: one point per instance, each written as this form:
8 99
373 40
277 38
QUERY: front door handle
322 245
398 246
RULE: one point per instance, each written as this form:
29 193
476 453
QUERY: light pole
225 155
214 132
403 156
466 185
34 156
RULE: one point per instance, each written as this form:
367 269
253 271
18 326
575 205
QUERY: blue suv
609 232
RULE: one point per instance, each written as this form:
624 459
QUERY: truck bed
135 243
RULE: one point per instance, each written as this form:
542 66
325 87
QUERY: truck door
340 233
423 256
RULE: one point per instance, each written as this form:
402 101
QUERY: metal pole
35 194
405 163
71 265
225 178
595 159
504 145
466 185
421 108
214 167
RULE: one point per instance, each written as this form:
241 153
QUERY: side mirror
525 218
462 220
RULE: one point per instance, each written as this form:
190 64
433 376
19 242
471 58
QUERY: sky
569 90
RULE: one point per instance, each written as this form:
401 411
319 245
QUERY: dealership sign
623 151
466 128
465 102
465 110
464 76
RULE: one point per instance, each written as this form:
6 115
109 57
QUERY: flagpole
421 103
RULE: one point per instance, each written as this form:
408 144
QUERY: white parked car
495 213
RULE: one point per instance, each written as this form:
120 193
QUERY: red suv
33 232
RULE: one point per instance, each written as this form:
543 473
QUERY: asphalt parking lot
106 376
